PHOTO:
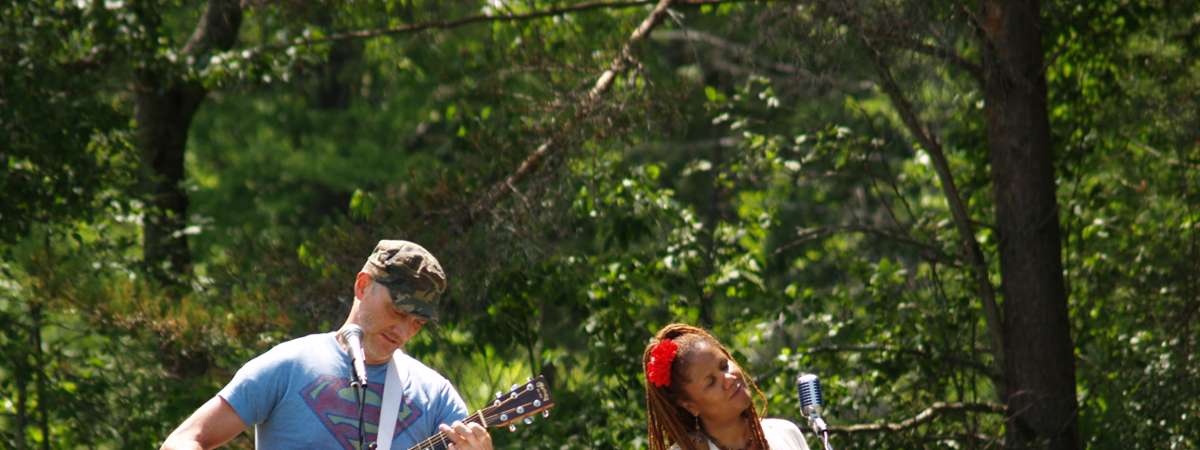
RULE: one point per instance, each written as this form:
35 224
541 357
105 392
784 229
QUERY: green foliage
747 175
65 151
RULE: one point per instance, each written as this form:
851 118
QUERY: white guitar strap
392 391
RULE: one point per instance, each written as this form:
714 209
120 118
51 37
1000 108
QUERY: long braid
760 437
666 422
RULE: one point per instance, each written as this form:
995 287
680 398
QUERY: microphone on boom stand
353 334
809 388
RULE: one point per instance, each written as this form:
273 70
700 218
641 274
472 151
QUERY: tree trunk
1039 361
712 222
21 369
164 114
39 372
337 77
165 106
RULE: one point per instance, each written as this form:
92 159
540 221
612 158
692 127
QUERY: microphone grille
809 388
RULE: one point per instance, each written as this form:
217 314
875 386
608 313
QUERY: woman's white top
781 435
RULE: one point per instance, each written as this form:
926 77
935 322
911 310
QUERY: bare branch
962 220
748 59
470 20
897 38
949 55
589 103
958 210
218 28
739 51
975 365
931 251
926 416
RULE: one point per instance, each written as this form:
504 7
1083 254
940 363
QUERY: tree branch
958 210
908 351
893 37
748 60
739 51
928 415
469 20
589 103
950 56
218 28
932 252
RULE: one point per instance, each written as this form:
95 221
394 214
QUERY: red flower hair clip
658 370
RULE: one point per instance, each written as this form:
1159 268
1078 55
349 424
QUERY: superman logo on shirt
332 400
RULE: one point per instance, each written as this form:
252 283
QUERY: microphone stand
360 395
352 334
808 386
819 428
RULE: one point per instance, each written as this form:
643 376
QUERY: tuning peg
498 395
528 420
514 387
537 403
528 387
512 428
504 417
520 410
546 413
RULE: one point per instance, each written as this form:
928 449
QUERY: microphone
353 335
808 386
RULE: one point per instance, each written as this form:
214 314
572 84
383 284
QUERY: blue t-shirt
298 395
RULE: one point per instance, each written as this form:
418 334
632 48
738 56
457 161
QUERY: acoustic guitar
519 405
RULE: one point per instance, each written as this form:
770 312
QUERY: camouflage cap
411 273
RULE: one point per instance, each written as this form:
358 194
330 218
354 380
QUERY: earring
697 421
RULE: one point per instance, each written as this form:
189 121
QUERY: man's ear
361 282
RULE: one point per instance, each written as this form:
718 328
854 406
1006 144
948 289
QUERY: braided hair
668 422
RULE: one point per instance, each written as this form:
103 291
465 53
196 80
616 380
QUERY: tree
1031 339
166 101
866 190
1039 358
65 155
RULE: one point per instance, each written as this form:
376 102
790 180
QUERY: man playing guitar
299 394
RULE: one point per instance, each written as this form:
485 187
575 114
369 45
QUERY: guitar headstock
521 403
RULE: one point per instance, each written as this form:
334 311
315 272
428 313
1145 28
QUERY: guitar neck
439 441
520 404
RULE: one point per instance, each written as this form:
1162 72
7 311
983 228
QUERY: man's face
385 328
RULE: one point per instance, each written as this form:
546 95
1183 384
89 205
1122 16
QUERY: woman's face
713 388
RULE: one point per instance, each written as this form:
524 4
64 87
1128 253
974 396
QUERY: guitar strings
440 438
484 416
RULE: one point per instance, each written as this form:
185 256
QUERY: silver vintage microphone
353 334
808 386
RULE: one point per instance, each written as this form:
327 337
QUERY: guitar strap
392 391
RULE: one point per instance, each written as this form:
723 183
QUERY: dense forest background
979 222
